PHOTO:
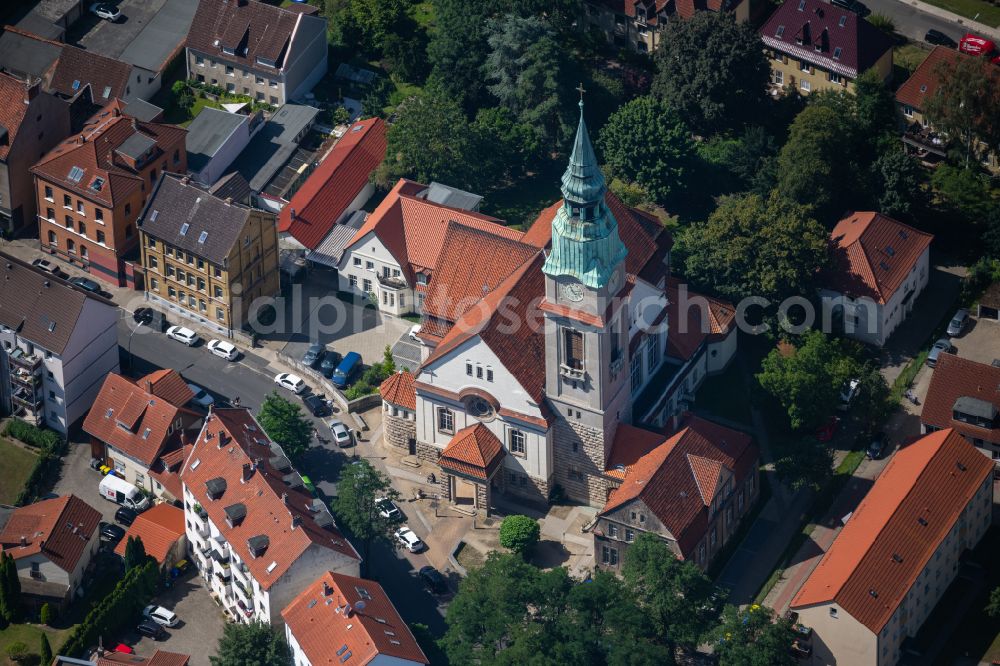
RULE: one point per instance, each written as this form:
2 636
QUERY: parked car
409 540
125 516
341 435
49 267
293 383
388 509
111 533
828 429
201 396
847 394
313 355
939 38
160 615
105 11
152 630
122 492
433 579
223 349
348 366
958 323
150 317
330 363
86 284
317 405
876 449
184 335
943 345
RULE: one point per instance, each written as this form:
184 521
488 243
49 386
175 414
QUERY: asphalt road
912 22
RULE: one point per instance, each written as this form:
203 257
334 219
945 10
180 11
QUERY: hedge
121 606
40 438
51 448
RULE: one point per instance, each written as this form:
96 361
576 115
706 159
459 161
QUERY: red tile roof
12 110
861 44
159 528
327 623
94 151
251 29
674 477
955 377
474 451
413 229
684 341
898 526
873 255
123 412
923 83
335 183
159 658
230 439
398 390
59 529
167 473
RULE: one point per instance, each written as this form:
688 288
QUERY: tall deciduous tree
255 644
712 69
284 422
678 598
896 183
753 637
813 166
377 20
360 485
755 246
646 142
803 463
967 104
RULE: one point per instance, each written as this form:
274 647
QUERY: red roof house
161 529
964 395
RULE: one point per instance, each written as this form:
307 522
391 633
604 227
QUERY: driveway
200 627
406 353
77 478
980 342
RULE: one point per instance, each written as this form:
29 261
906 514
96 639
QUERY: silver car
958 323
941 346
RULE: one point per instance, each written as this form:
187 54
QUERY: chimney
24 541
229 201
148 386
284 498
247 472
31 90
349 610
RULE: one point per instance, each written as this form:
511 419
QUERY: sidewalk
973 26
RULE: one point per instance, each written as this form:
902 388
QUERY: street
912 22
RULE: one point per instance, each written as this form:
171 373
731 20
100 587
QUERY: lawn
725 396
30 635
17 465
906 57
977 10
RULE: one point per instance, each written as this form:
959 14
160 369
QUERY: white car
104 11
409 540
293 383
181 334
388 509
223 349
160 615
48 267
341 435
201 397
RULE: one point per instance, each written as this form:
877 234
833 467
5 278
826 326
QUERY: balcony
244 592
20 358
926 141
22 377
29 400
224 577
571 372
391 282
202 531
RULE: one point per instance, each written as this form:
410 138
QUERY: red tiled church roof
474 451
398 390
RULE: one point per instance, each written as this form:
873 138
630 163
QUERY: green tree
689 76
875 107
803 463
17 651
135 553
519 534
5 601
45 650
814 168
284 422
45 614
255 644
753 637
645 142
897 182
755 246
966 105
679 599
754 161
513 144
431 140
964 192
10 590
808 379
359 487
993 606
377 21
871 403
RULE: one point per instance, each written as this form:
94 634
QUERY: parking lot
79 479
201 622
980 342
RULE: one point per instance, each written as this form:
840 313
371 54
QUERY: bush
45 615
17 651
519 533
40 438
883 22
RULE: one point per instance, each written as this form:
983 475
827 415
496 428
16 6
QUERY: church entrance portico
469 463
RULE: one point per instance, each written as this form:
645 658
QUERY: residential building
52 542
898 552
691 488
91 188
215 138
270 53
919 135
133 424
254 532
31 122
538 346
338 187
273 147
813 46
57 342
880 267
205 258
107 658
965 396
52 18
161 530
344 619
638 24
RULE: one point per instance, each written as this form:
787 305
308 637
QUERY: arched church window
478 407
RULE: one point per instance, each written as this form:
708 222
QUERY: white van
122 492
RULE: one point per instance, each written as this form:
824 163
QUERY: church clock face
573 291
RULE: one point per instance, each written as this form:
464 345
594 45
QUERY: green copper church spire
585 242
